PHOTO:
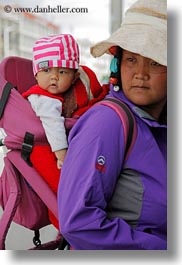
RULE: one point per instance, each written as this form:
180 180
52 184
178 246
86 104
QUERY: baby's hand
60 155
59 164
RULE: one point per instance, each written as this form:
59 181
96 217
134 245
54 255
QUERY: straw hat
143 31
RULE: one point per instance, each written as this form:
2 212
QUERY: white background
174 254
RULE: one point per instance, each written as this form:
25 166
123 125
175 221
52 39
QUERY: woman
124 205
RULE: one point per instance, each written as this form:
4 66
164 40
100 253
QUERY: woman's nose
142 71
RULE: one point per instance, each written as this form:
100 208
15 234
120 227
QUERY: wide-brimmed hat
143 31
55 51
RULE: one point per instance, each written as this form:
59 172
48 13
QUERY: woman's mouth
140 87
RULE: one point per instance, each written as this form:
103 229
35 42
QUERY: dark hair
163 115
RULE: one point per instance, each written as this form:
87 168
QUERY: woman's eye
62 72
130 59
153 63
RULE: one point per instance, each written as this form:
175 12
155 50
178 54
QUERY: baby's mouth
53 85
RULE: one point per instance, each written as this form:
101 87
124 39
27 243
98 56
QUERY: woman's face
144 82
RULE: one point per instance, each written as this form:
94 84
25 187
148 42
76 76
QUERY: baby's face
56 80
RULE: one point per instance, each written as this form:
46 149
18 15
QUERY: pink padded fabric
18 71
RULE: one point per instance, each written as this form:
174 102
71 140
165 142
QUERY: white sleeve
49 111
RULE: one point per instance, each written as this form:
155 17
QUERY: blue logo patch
100 164
101 160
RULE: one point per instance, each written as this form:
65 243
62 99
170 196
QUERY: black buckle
27 147
36 238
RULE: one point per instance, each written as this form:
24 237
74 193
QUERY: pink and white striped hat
55 51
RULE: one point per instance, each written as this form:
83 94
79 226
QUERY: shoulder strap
127 119
4 97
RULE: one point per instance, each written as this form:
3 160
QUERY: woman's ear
77 75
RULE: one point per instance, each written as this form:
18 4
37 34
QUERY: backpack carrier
24 195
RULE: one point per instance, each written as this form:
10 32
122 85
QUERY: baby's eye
62 72
46 70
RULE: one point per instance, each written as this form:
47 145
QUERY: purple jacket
105 202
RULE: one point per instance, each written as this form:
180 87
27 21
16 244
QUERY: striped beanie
55 51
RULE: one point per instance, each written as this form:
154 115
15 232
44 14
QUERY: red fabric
80 94
80 111
98 92
95 86
37 90
45 162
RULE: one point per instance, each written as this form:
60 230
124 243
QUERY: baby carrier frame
21 203
24 195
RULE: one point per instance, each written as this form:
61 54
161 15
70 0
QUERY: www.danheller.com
48 9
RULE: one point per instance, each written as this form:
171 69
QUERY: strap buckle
27 147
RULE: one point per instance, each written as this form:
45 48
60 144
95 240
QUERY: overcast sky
93 25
